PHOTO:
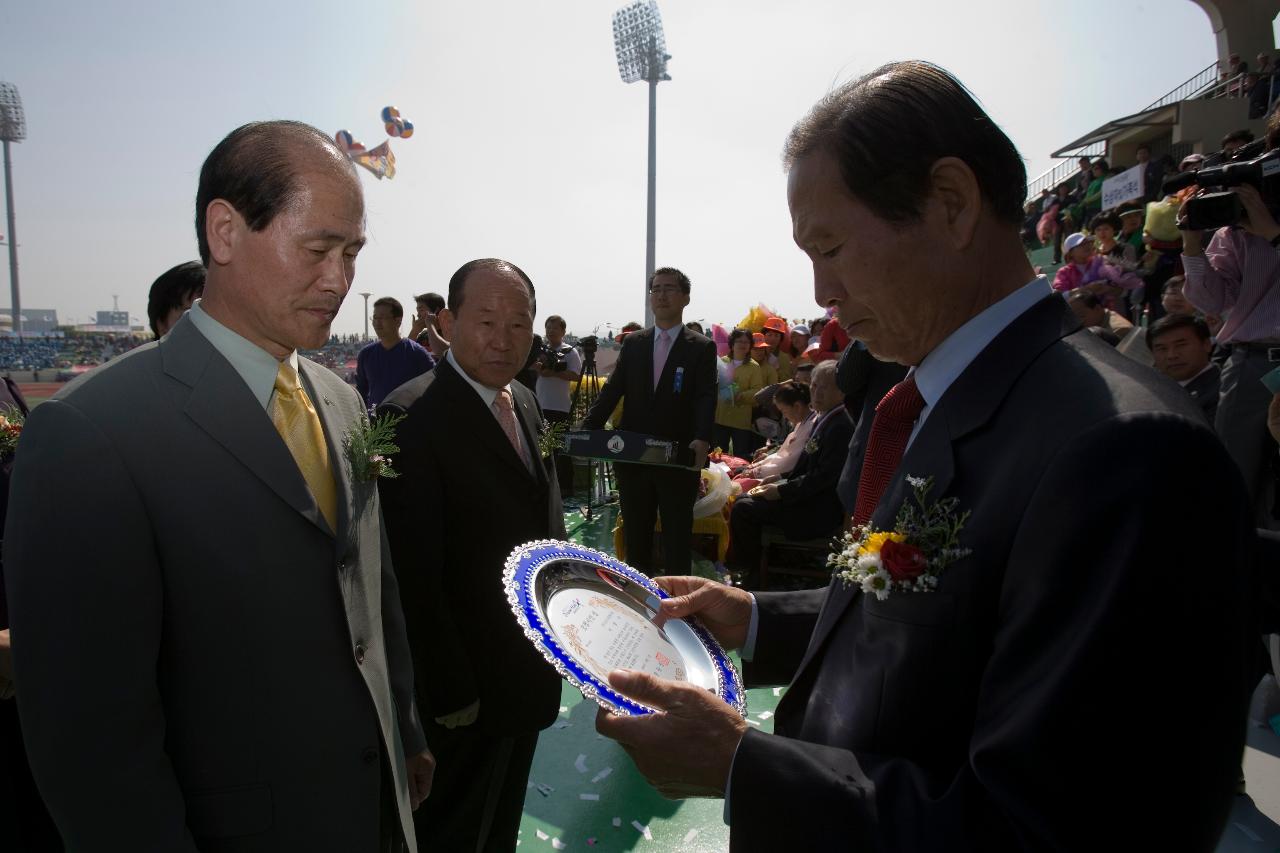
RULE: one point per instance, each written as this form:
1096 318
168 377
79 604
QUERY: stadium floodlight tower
642 55
13 128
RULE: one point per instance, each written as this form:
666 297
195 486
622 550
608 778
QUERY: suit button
359 653
342 565
370 756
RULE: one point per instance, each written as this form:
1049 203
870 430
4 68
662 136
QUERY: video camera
1220 206
554 361
589 344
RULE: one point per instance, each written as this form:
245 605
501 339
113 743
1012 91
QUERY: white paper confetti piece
564 709
545 790
580 764
542 836
617 821
690 835
777 691
558 844
643 830
764 715
589 796
752 722
603 773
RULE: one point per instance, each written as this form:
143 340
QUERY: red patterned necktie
895 417
506 413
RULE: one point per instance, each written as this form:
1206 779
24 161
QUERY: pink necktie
660 348
506 413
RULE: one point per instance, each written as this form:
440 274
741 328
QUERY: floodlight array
13 122
639 42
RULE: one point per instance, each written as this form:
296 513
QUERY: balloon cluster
396 126
347 143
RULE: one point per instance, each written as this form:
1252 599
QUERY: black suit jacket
463 501
807 501
682 413
1013 707
1204 389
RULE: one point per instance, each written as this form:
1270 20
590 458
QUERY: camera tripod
584 397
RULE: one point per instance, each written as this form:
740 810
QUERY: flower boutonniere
925 539
369 445
551 438
11 422
811 446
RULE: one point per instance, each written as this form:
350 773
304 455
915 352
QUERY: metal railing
1204 84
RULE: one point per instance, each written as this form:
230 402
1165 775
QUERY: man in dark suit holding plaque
474 485
665 378
977 678
215 658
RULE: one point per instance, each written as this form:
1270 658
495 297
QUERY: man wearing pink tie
667 376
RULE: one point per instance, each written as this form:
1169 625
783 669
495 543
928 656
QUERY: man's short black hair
1106 217
173 289
255 169
1142 146
397 310
791 392
887 129
458 281
433 301
558 320
1172 322
681 278
1244 137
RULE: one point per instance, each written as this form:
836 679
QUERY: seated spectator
799 340
172 294
815 332
390 361
805 505
792 400
1105 227
1091 204
1181 347
803 372
1235 140
1090 311
742 378
1086 270
833 341
1172 299
1258 92
775 333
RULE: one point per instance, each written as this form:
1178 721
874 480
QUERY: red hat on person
776 324
758 341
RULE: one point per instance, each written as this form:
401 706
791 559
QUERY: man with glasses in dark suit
665 378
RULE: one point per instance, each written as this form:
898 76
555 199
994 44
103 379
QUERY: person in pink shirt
792 399
1084 268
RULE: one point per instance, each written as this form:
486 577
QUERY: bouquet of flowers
11 421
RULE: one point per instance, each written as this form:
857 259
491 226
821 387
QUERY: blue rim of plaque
518 578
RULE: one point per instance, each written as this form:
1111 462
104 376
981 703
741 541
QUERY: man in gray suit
212 655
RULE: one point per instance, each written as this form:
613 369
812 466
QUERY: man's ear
955 190
445 317
222 227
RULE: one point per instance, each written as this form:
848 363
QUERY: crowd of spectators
64 353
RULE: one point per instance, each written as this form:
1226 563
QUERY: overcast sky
528 146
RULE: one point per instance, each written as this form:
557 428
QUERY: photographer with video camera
558 365
1237 275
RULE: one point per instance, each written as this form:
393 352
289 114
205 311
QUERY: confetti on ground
603 773
542 836
752 722
777 691
689 836
643 830
589 796
564 709
617 821
591 842
764 715
558 844
581 763
544 790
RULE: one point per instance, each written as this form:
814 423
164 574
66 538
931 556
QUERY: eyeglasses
665 288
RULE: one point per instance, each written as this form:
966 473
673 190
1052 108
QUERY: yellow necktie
299 425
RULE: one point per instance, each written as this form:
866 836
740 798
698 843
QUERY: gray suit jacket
202 663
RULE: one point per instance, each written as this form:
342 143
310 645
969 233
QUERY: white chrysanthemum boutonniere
925 540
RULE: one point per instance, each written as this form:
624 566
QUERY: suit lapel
968 404
336 426
472 409
222 405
